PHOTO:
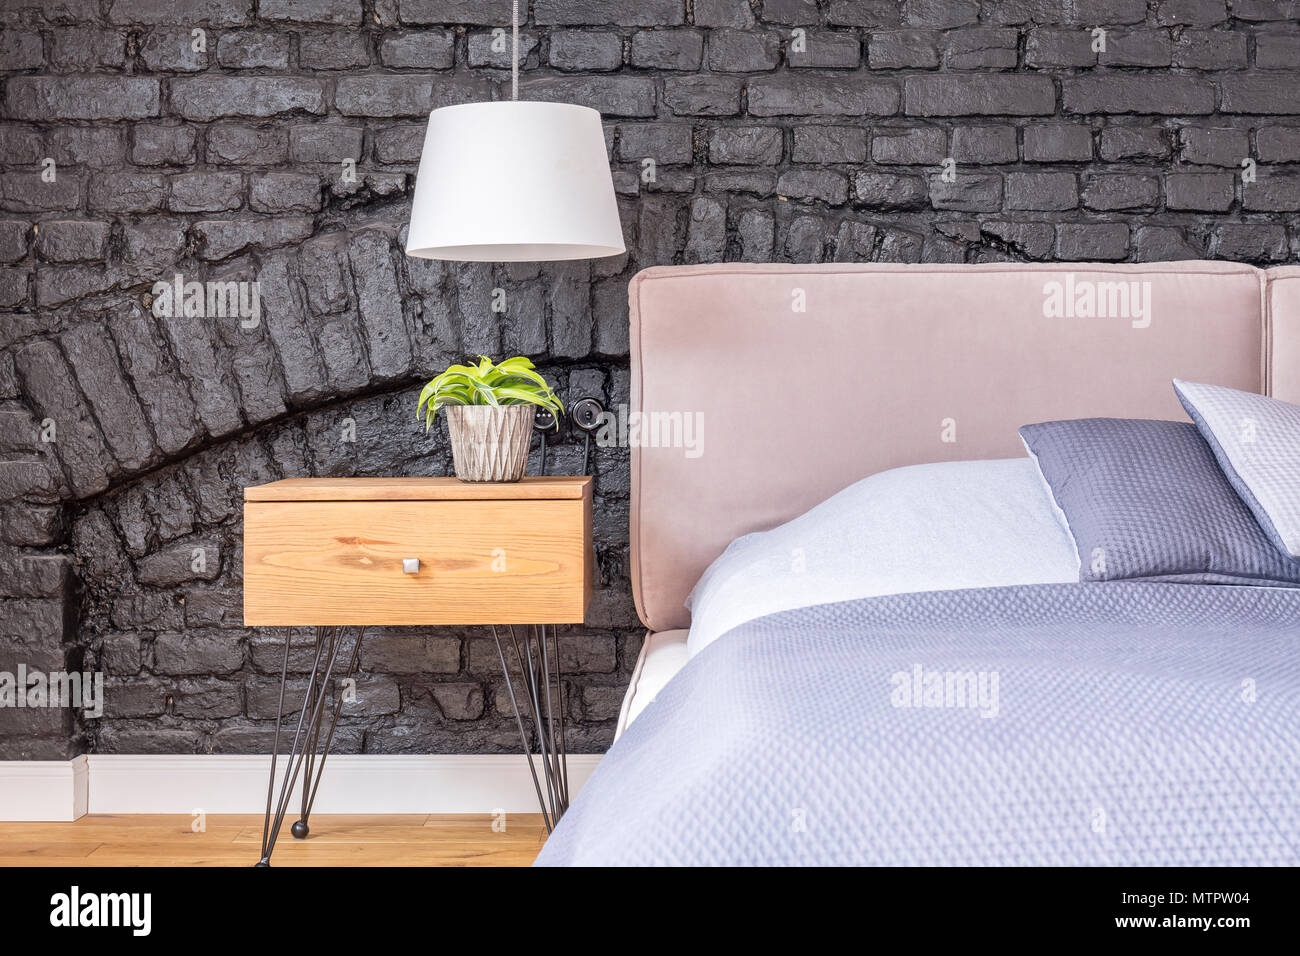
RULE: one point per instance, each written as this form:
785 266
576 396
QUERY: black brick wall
799 130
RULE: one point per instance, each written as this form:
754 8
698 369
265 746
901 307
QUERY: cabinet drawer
480 562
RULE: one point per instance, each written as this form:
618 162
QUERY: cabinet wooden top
419 489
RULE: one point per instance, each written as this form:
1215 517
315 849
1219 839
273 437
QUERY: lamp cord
514 53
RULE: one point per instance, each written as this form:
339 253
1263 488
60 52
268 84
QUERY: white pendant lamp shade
512 181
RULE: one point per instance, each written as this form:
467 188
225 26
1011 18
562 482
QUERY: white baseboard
41 790
352 783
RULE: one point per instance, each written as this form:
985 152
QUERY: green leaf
523 396
518 362
527 375
513 381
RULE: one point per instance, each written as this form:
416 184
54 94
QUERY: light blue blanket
1068 724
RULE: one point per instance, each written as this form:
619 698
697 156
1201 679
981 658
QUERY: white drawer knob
410 565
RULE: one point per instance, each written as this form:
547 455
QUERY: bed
860 534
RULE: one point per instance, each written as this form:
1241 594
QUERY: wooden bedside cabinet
333 551
337 552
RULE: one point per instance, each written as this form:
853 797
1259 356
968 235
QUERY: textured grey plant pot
490 442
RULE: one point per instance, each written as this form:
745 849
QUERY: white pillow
1256 441
943 526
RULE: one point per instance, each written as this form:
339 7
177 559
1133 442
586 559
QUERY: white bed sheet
935 527
941 526
662 655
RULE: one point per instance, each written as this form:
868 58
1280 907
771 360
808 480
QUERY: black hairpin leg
306 738
546 711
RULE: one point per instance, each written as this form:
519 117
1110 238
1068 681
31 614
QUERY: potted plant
490 412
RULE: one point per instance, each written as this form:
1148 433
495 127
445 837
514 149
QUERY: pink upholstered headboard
1284 333
808 378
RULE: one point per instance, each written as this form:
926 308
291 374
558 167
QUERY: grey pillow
1146 499
1257 443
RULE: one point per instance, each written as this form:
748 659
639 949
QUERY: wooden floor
235 840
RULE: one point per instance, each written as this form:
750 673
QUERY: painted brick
804 94
666 143
1130 143
1114 192
253 50
643 13
668 49
1210 192
829 144
212 12
82 97
72 240
1210 50
968 193
915 147
1262 93
212 97
335 50
338 12
419 50
1137 48
1056 142
981 49
759 145
740 51
1054 47
1280 52
1213 147
577 50
157 145
1042 191
703 95
227 163
1278 144
984 144
978 95
903 49
1092 241
1135 93
826 50
611 95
